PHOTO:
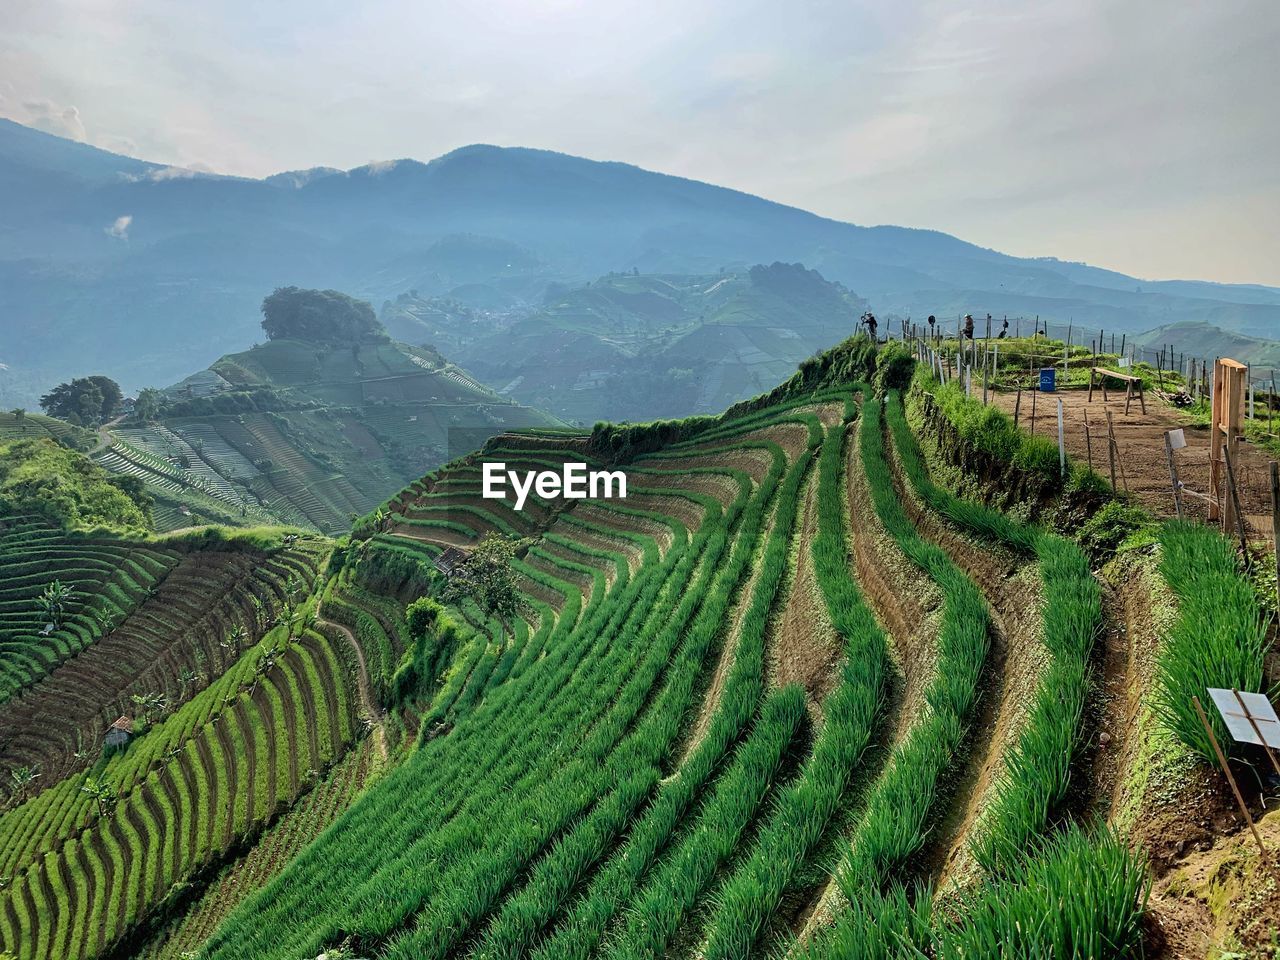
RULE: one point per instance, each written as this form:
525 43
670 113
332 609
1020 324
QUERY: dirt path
728 648
104 435
367 702
908 607
1142 462
803 646
1012 588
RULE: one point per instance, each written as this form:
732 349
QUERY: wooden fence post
1173 475
1062 445
1235 501
1111 450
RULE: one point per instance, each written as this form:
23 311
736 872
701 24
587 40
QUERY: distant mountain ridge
147 272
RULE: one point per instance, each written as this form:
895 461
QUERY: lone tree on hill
21 779
53 601
147 406
319 316
84 400
487 578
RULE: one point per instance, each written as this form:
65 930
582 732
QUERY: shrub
894 366
1103 533
1038 454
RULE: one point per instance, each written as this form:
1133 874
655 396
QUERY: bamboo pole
1235 788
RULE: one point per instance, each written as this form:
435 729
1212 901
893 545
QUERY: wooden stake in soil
1235 788
1088 443
1275 519
1017 407
1062 445
1111 450
1257 732
1235 500
1173 473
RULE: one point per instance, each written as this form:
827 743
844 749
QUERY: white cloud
52 118
174 173
120 229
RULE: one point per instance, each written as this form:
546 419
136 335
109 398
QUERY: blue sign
1048 379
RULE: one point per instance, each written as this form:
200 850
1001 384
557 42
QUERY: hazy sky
1135 134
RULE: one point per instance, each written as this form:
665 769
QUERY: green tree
147 407
487 578
103 794
53 601
90 400
21 779
319 316
151 704
40 476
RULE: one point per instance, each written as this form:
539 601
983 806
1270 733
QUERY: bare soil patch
753 461
1140 441
803 647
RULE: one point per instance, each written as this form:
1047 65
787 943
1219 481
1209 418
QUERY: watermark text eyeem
573 482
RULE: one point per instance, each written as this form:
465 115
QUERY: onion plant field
812 688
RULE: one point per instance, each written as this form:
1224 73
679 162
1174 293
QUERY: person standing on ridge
870 320
968 326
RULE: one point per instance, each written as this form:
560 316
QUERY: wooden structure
118 733
1133 385
1225 424
449 559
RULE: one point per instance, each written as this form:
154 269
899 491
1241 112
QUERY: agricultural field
817 687
310 435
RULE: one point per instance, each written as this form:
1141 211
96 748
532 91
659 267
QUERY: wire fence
1103 420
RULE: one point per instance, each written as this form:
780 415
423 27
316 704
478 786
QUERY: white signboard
1243 712
1177 439
1124 362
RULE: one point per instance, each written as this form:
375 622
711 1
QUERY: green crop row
1079 897
1037 770
78 900
618 881
515 757
1219 638
666 899
805 808
895 820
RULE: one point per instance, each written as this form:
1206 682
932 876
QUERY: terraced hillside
639 346
793 696
306 434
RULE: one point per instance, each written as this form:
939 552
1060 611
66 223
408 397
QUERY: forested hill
632 346
99 253
319 424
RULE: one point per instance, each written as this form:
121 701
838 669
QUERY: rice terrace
852 670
